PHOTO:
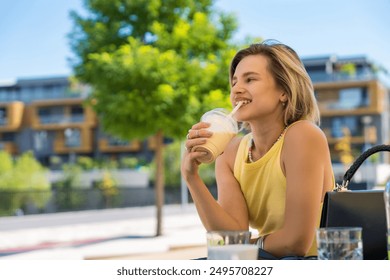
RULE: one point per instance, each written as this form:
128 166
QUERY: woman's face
254 84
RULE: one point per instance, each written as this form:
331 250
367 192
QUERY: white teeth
243 102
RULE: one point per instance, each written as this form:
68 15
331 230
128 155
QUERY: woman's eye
249 80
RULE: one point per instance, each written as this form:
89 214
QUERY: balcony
352 98
109 145
61 119
61 114
73 140
341 77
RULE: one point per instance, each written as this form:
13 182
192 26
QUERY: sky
34 43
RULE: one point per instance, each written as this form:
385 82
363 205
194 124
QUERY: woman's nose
237 89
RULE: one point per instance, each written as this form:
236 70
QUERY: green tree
154 66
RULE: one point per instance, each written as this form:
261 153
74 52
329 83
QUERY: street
101 234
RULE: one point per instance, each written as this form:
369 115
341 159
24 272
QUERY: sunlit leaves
171 68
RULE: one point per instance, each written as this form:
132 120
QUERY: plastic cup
224 128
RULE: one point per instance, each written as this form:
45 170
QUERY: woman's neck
264 137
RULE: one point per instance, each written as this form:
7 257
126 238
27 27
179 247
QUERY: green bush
66 198
22 180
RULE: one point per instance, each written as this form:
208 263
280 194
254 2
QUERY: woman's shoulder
305 134
304 129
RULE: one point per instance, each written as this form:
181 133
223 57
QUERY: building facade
354 107
49 117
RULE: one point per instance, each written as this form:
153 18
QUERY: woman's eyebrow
250 73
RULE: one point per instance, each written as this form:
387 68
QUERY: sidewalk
104 234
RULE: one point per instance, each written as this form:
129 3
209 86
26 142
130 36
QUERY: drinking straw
236 108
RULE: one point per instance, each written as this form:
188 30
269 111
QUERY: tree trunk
159 184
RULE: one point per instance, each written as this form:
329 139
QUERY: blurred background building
49 117
354 107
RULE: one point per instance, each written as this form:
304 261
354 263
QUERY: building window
343 99
8 137
40 140
351 122
51 115
72 137
39 93
26 95
3 95
352 98
77 114
3 116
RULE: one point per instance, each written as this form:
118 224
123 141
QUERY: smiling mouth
244 102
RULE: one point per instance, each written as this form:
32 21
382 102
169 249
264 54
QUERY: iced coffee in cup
224 128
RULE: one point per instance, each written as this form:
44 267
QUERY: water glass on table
340 243
230 245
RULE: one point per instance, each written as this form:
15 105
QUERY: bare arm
305 162
230 196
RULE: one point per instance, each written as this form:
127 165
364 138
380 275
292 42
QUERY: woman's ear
283 97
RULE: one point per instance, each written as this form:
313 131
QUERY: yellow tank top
264 187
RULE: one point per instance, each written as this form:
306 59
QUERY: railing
57 119
79 118
54 119
334 77
116 142
42 95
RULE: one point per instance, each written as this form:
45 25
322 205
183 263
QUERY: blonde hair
290 76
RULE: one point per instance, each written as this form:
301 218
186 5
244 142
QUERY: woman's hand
232 213
197 135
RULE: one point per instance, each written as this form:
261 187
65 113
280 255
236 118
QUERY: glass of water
230 245
340 243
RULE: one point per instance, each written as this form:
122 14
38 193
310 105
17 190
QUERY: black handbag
364 208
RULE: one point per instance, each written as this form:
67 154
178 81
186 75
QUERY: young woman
274 178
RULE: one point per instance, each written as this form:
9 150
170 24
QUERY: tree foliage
154 65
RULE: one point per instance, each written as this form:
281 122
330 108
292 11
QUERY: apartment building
48 116
354 105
